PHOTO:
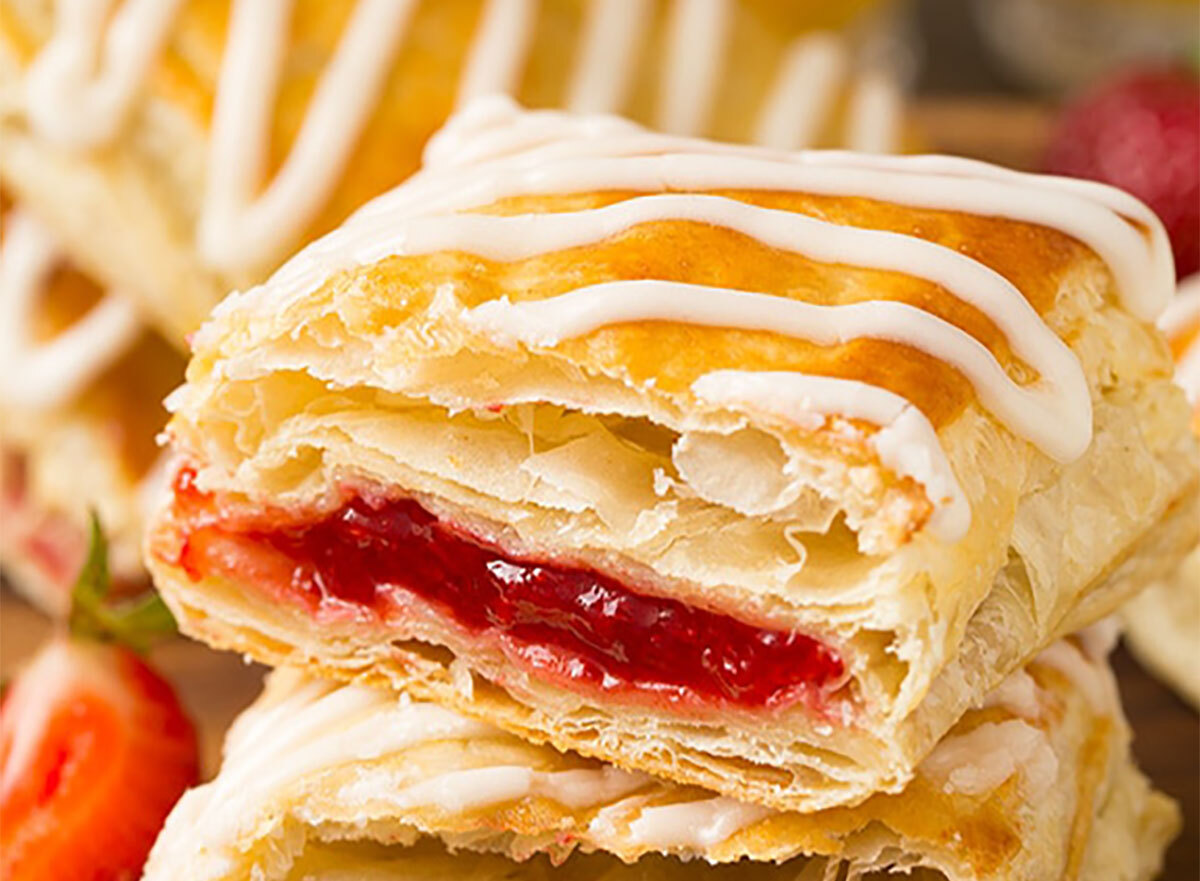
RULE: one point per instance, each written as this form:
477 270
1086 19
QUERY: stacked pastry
655 498
180 149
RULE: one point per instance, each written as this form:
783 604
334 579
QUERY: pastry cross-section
749 469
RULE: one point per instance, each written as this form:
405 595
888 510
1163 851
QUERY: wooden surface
216 686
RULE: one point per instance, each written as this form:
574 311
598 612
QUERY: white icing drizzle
237 228
1018 694
498 52
609 46
318 727
80 88
874 116
49 374
315 726
1180 317
803 95
1140 261
697 31
694 825
978 762
476 788
1055 413
561 153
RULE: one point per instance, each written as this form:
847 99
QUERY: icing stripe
238 229
499 49
80 88
802 97
874 115
693 825
493 150
477 788
1142 265
45 375
1056 420
697 31
583 161
609 46
305 727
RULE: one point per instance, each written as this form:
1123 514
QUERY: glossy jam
573 626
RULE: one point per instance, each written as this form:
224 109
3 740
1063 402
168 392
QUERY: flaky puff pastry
572 345
1163 622
1036 783
81 388
185 148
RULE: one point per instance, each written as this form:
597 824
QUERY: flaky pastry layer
1033 784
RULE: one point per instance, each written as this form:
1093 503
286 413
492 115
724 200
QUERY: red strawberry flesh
94 751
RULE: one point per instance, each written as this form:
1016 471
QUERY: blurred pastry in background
1163 622
183 149
1037 783
81 387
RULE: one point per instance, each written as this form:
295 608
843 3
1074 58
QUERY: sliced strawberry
94 746
94 751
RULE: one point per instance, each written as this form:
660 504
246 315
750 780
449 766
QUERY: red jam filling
573 626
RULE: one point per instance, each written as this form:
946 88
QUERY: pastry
217 136
748 469
1163 621
81 386
1037 783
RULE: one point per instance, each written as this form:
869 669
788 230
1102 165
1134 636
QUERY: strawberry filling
571 625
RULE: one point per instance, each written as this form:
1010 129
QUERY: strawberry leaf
136 622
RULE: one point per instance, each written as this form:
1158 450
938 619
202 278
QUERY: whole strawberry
1140 131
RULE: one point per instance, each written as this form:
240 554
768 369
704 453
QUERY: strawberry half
95 749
